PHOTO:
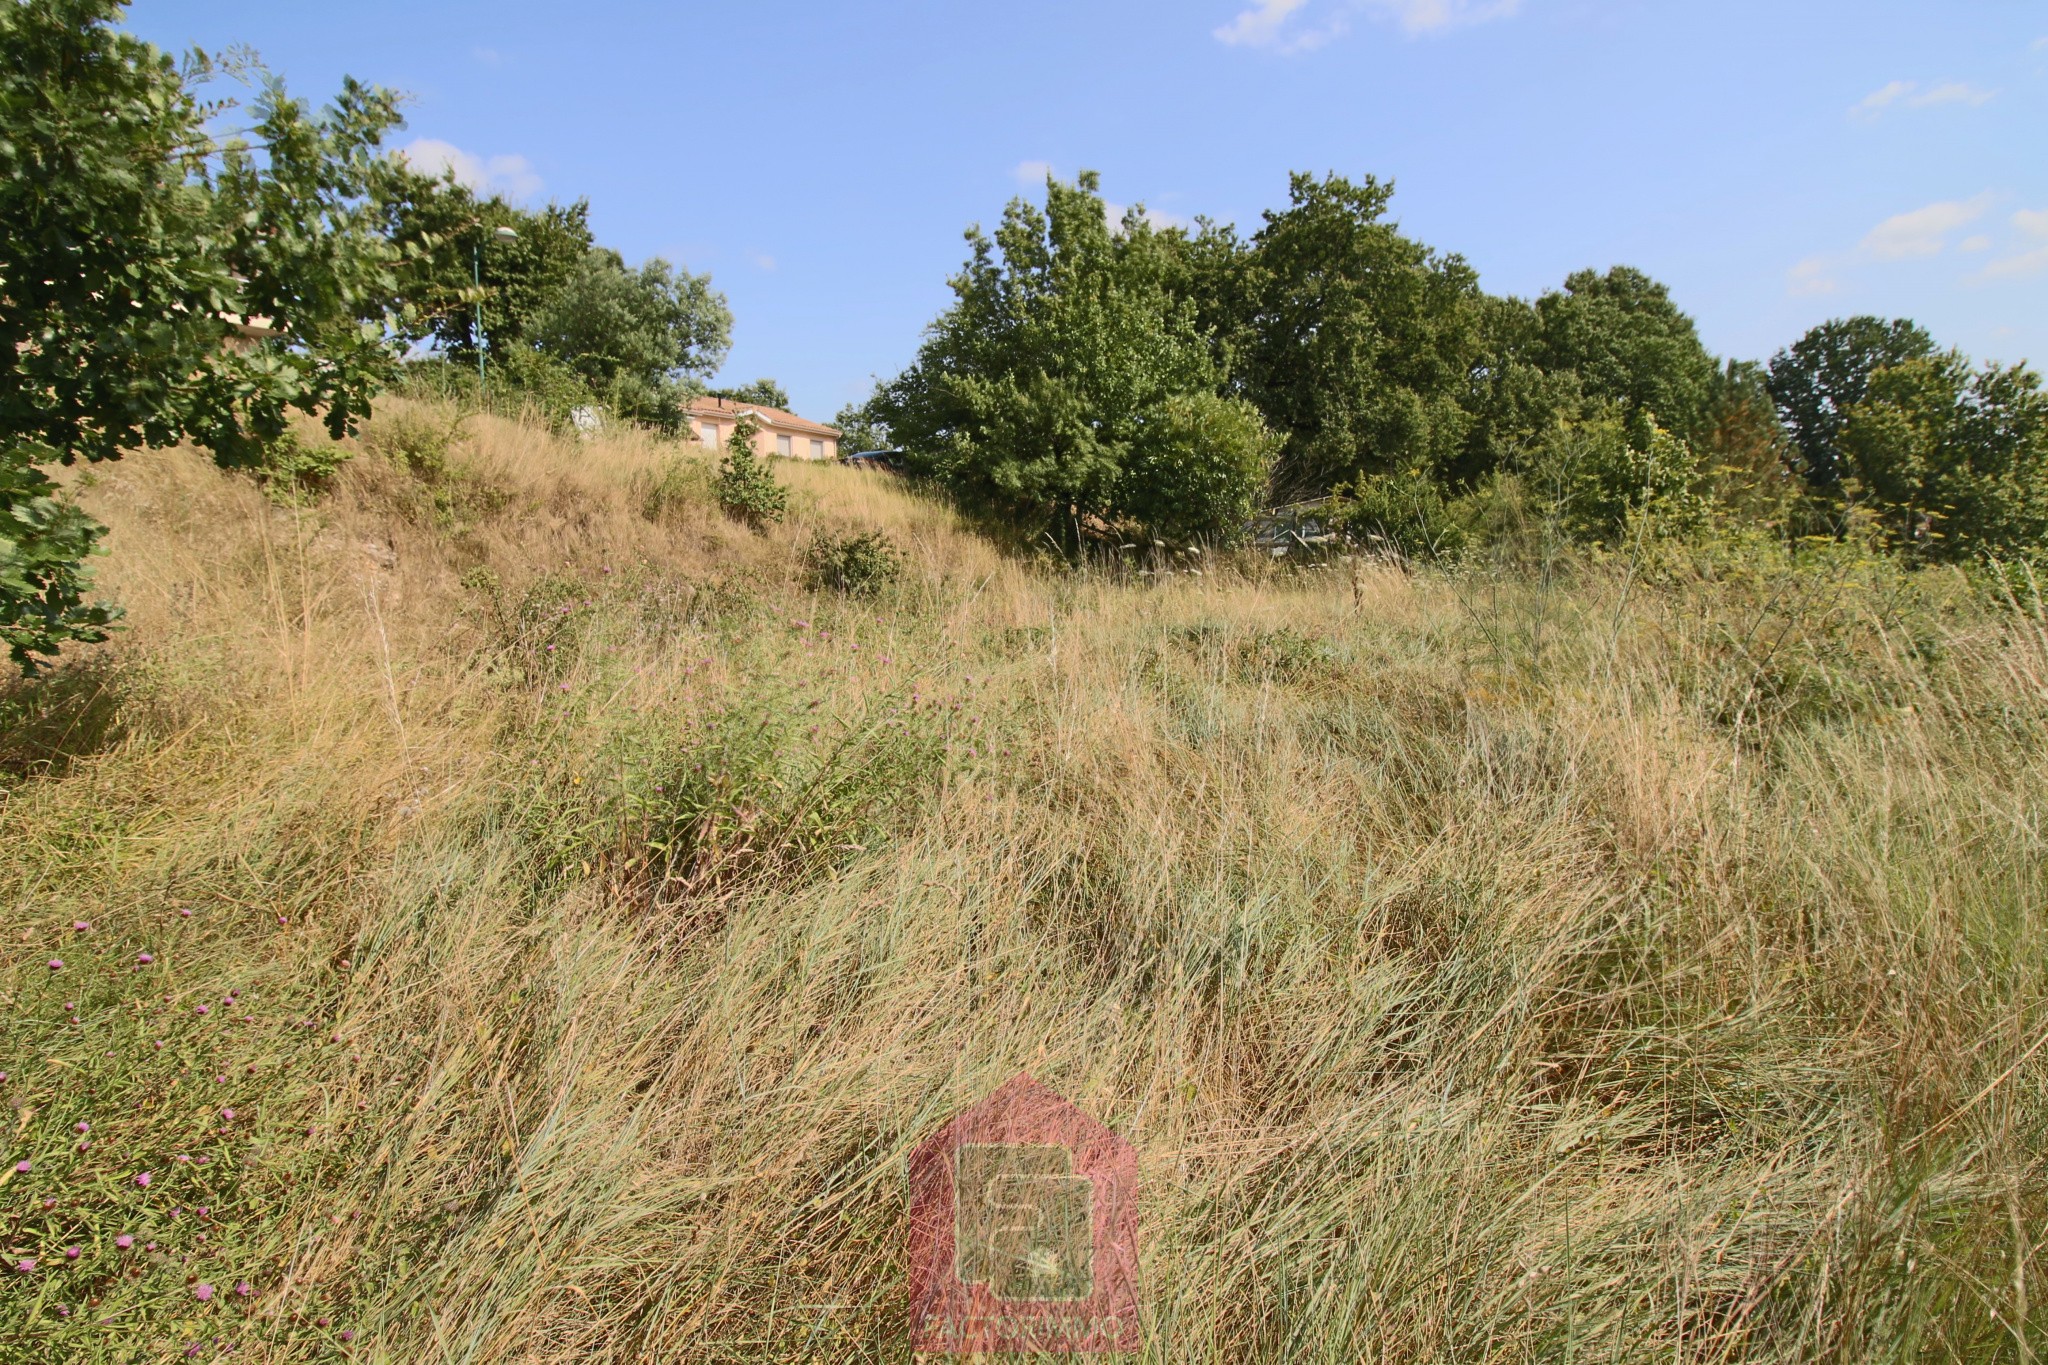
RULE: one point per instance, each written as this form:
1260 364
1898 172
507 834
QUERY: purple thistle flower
201 1009
80 926
56 964
228 1114
242 1288
142 1180
124 1241
202 1292
72 1253
144 958
184 914
25 1265
21 1168
347 1334
83 1126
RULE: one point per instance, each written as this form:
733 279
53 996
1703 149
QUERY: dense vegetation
1098 381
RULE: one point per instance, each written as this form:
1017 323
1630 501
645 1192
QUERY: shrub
1406 514
414 441
295 471
857 565
1606 479
745 486
44 543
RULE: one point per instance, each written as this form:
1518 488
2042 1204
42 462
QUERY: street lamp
476 265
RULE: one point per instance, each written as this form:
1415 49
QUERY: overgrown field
509 916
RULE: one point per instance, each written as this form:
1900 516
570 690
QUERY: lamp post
476 265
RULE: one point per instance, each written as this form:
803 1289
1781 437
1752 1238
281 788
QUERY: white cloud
1260 25
1908 94
1814 275
1032 175
511 176
1280 25
1431 16
1955 92
2024 266
1882 98
488 56
1923 232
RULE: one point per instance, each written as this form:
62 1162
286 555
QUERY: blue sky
1776 162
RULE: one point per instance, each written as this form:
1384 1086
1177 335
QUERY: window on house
782 445
817 450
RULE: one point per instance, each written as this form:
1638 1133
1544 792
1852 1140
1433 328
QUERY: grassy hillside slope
560 924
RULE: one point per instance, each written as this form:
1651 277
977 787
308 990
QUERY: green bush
1403 513
414 441
44 542
1607 478
857 565
295 471
745 485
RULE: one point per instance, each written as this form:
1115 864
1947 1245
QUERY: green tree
1046 395
1514 401
1954 461
1360 342
453 235
764 393
1818 378
1628 344
639 338
859 431
297 210
128 240
111 281
1750 461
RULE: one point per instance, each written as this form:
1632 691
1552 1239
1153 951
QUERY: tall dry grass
1610 966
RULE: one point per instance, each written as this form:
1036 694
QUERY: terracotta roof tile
775 419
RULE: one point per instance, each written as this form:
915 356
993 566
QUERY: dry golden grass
1485 969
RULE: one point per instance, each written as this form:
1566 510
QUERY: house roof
773 418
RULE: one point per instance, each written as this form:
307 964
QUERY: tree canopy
1067 383
1818 378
